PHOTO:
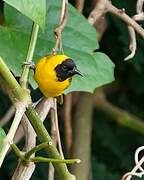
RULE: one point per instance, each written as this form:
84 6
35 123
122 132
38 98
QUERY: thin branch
42 108
30 53
60 27
139 9
129 175
35 149
43 159
55 120
132 26
80 5
25 172
67 122
137 157
132 45
137 167
43 136
20 109
98 12
139 6
55 139
123 16
97 17
7 116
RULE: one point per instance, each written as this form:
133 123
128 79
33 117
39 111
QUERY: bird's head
66 70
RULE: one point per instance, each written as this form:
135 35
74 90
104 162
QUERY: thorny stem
30 53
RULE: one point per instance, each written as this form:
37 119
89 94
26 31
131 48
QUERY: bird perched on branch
53 74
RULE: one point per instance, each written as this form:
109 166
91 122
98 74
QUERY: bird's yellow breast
45 76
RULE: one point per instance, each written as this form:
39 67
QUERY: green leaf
2 136
33 9
97 72
79 41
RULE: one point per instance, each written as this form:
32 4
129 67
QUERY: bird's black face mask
66 70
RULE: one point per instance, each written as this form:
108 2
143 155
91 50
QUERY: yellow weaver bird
53 74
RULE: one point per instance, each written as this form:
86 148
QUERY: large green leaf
78 38
2 136
33 9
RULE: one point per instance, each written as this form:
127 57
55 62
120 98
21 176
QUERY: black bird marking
66 70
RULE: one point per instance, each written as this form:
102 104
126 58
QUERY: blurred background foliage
113 146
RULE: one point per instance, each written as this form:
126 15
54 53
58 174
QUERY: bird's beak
76 71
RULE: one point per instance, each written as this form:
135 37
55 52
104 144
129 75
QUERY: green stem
52 151
35 149
17 151
38 159
30 53
43 159
13 85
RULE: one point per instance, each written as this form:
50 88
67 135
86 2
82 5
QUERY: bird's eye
64 67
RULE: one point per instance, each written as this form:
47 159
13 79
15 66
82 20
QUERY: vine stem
43 159
35 149
30 53
26 157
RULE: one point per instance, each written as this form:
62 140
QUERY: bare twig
23 172
20 109
54 138
137 156
132 45
7 116
98 12
139 9
68 122
55 120
130 174
139 6
59 28
80 5
132 25
124 17
137 167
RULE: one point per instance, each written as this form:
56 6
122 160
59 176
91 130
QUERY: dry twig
98 12
67 122
132 45
139 9
80 5
62 23
138 166
24 172
7 116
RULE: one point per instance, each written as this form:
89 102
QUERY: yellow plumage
46 77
